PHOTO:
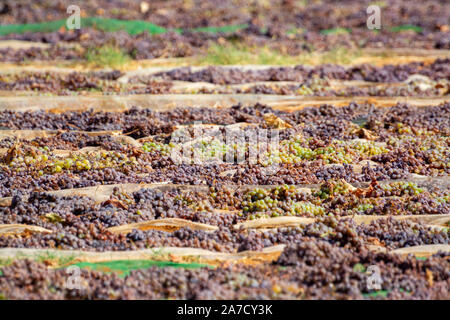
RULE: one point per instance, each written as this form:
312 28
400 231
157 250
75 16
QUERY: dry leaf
144 7
175 258
228 173
21 230
273 121
348 185
375 242
365 134
430 277
12 153
116 203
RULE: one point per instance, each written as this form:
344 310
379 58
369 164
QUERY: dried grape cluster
312 81
79 222
389 73
278 201
78 83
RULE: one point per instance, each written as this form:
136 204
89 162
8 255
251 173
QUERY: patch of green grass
46 256
110 25
339 55
359 268
62 261
240 54
107 56
124 267
295 31
134 27
224 29
130 26
381 4
57 259
421 258
406 27
335 31
233 54
5 262
380 293
32 27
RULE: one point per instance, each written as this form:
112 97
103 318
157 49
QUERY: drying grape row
311 270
